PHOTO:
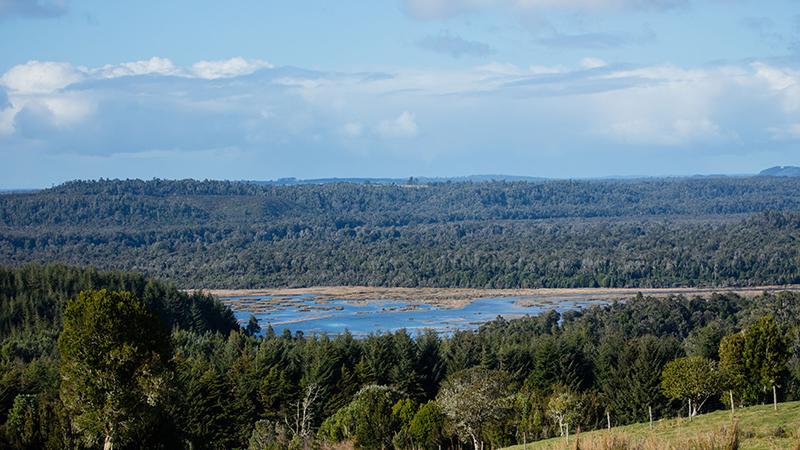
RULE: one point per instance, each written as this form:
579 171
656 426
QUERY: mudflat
456 297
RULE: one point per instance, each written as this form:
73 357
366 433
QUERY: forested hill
650 232
169 203
781 171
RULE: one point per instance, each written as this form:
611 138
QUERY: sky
268 89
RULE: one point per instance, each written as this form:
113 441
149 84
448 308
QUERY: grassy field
757 427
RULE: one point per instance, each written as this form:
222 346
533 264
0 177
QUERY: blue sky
268 89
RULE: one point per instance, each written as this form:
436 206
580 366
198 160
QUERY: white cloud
784 82
41 77
227 68
37 77
36 92
644 107
68 109
39 89
777 78
592 63
154 65
7 121
403 126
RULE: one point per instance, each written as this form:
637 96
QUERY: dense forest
95 358
606 233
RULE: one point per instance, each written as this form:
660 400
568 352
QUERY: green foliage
474 400
754 361
33 299
403 411
22 427
564 407
629 375
203 409
764 353
232 389
427 427
693 378
793 364
367 420
114 353
705 341
609 233
732 368
252 328
268 435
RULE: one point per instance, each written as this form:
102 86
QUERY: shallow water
313 316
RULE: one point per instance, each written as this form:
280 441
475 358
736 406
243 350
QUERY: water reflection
313 316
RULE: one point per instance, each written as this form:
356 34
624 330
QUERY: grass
754 428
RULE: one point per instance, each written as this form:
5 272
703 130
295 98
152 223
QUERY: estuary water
361 317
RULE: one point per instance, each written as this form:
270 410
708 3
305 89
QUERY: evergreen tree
113 365
253 328
764 355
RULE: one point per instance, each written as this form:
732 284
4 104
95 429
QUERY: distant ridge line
781 171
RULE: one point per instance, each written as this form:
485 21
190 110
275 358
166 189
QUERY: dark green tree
628 374
427 427
22 425
733 371
252 328
764 354
367 421
114 355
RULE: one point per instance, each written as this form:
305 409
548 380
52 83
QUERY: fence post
650 410
733 410
774 398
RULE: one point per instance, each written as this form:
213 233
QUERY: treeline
638 233
32 299
507 382
164 202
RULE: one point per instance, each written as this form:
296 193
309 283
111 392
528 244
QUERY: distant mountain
781 171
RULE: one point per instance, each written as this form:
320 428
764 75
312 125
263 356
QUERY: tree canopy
500 384
694 378
114 353
593 233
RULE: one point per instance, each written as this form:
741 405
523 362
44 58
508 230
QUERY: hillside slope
759 427
781 171
558 234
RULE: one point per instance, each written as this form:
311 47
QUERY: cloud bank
259 115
